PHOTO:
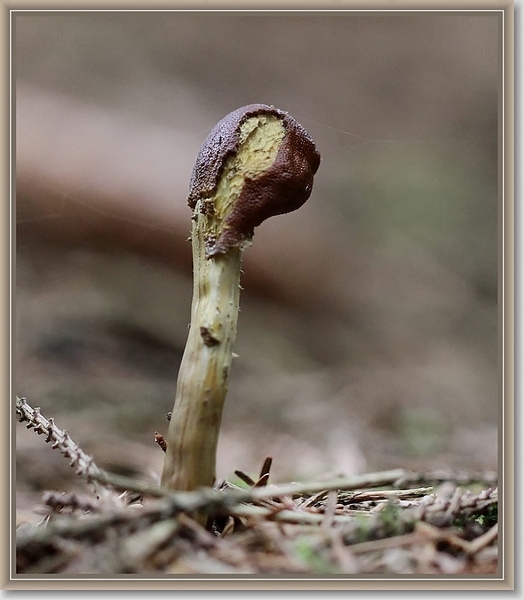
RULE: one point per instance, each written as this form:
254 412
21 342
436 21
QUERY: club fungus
257 162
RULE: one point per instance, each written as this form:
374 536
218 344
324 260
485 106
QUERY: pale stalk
202 381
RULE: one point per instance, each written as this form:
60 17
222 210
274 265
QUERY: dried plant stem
356 482
56 501
294 517
83 463
459 477
381 478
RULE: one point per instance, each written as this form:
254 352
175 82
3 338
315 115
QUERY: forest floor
387 523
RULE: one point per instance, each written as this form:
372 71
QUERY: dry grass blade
373 495
266 467
263 478
245 478
262 481
312 500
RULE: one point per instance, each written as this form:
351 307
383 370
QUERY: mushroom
257 162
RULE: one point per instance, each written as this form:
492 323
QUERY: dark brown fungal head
281 187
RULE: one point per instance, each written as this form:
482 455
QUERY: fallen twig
82 462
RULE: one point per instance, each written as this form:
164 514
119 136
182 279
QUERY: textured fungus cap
283 187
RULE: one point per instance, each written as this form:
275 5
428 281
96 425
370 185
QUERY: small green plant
312 554
486 519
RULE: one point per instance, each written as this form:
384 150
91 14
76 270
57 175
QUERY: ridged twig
82 462
436 476
57 501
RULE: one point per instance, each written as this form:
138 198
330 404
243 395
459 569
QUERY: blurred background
368 328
